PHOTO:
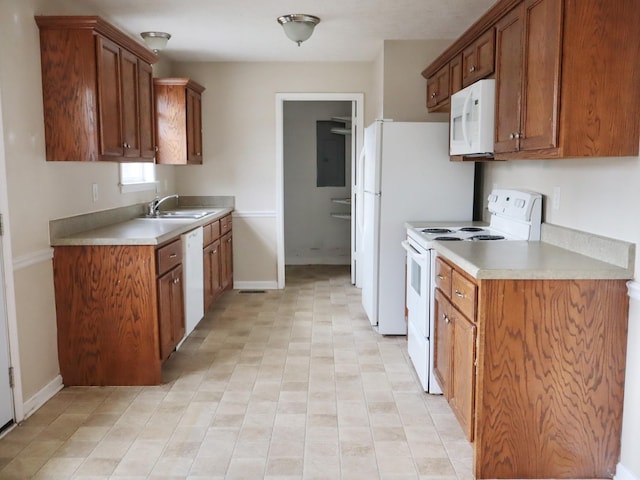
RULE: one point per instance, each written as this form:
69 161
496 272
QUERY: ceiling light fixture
298 27
156 41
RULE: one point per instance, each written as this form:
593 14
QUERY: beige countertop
139 231
526 260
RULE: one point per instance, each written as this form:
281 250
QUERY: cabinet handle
516 135
439 277
472 69
176 281
445 318
173 255
434 95
459 294
156 148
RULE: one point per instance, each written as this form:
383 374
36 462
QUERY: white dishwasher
193 284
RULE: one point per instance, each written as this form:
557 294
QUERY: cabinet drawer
169 256
225 224
463 295
210 232
443 277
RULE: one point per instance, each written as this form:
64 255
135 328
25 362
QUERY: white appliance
515 215
472 119
406 174
193 284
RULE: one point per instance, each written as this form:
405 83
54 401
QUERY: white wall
601 196
39 191
311 235
239 115
404 88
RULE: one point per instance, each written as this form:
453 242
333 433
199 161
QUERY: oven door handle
414 254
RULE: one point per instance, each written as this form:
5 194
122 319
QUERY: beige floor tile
283 384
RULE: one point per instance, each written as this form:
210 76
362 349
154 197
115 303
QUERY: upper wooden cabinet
565 85
444 83
178 106
97 91
478 58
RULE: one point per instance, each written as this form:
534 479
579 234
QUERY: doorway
355 105
9 395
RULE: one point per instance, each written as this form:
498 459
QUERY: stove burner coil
436 230
472 229
487 237
448 239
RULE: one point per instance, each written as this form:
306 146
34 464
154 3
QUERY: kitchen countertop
562 253
139 231
526 260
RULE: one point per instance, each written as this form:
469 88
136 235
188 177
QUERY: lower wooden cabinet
119 310
454 360
535 374
217 259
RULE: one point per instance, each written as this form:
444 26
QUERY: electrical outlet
556 198
94 192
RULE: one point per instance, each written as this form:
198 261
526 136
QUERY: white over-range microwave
472 119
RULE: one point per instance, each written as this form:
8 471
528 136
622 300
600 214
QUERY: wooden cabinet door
130 101
194 127
528 49
438 88
478 59
146 113
212 273
109 100
508 81
455 75
462 385
542 45
170 311
442 343
226 257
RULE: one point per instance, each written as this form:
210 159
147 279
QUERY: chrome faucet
155 203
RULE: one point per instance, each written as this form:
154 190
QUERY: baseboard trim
40 398
623 473
269 285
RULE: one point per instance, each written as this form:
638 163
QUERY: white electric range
515 215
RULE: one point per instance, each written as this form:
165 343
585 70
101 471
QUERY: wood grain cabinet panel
550 382
120 312
563 84
438 89
96 84
178 105
455 343
217 259
478 59
536 379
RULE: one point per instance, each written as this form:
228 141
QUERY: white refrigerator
406 176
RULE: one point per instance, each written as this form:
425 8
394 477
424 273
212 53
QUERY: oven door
418 275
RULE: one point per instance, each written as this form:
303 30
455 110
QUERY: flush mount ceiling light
156 41
298 27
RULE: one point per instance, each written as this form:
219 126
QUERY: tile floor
290 384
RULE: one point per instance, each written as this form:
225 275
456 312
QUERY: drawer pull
459 294
173 255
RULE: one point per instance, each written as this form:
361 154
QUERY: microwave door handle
465 109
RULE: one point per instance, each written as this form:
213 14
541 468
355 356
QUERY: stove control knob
493 198
519 203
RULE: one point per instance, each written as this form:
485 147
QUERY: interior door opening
318 141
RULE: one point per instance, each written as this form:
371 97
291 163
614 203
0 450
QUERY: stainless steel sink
178 214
